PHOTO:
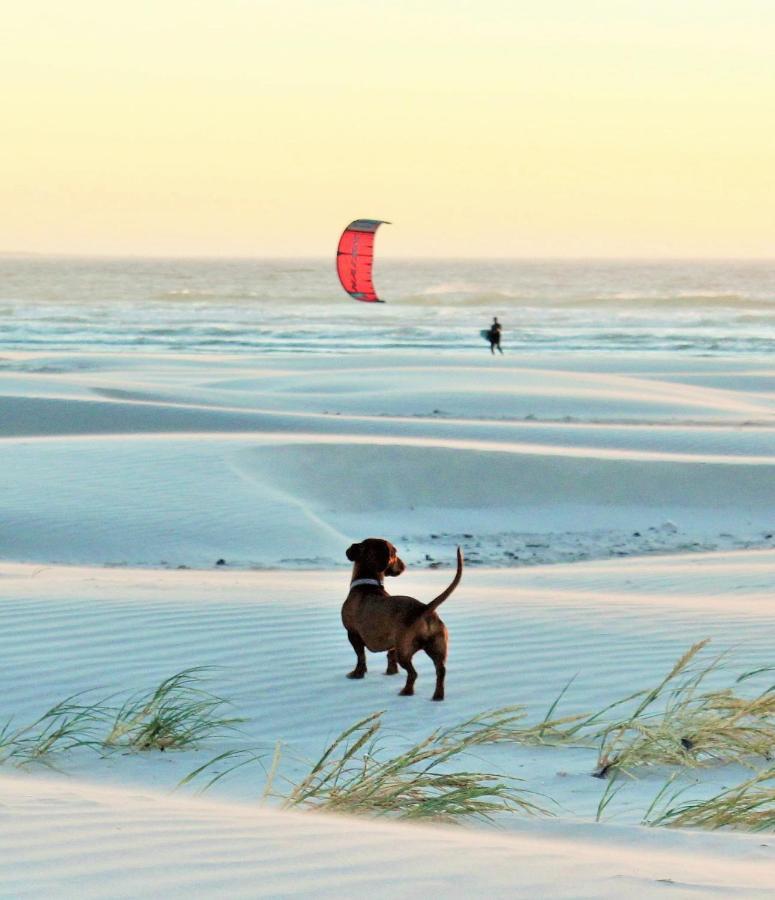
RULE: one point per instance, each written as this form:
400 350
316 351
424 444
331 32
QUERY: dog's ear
353 552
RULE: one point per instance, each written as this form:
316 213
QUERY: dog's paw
392 672
355 674
437 697
406 692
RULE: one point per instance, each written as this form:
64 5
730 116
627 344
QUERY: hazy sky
483 128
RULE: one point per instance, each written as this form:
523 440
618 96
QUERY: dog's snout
396 566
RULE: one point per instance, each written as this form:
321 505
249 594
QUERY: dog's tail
435 604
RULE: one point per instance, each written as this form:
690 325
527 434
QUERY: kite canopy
354 258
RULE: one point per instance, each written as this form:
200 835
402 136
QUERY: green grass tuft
66 726
678 724
176 715
354 775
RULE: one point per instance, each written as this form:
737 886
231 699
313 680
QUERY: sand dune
190 501
77 840
309 455
281 656
124 479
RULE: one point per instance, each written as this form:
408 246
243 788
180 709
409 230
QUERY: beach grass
507 724
674 723
178 713
65 726
749 806
356 775
677 723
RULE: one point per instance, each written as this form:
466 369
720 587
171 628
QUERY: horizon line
35 254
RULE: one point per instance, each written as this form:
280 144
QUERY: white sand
65 841
146 464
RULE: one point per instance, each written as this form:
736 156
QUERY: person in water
494 335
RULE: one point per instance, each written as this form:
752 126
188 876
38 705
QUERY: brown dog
401 625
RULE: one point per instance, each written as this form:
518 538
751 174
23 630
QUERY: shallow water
719 308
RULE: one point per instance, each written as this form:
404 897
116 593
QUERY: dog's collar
360 581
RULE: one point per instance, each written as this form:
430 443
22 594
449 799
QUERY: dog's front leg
360 651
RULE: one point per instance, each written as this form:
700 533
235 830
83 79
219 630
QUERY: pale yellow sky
486 128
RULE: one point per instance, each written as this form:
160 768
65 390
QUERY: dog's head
378 555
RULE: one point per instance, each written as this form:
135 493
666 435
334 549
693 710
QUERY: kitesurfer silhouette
494 335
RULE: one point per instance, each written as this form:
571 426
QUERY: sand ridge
280 446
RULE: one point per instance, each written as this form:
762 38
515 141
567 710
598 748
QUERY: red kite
354 257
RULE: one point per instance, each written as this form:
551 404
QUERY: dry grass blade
749 806
505 724
244 757
177 714
236 759
612 788
755 672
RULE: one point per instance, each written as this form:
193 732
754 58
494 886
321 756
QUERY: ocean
265 306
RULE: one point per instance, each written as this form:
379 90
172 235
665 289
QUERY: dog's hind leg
360 651
392 668
437 650
405 661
